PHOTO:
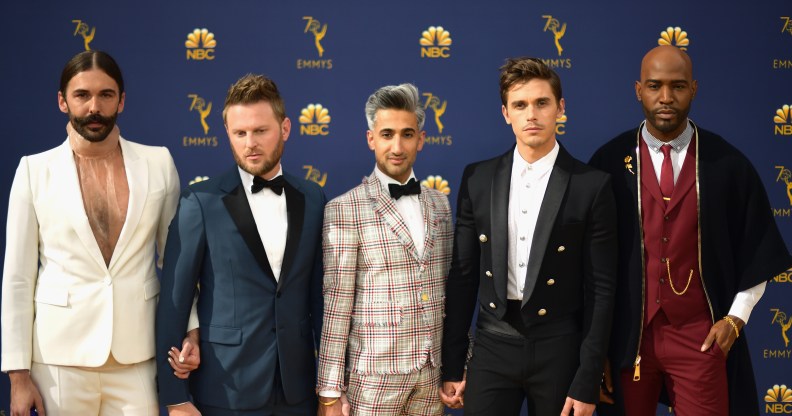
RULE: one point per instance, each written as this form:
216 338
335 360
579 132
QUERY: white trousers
113 389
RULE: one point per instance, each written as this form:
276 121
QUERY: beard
80 125
667 126
269 163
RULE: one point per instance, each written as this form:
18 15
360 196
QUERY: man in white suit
79 281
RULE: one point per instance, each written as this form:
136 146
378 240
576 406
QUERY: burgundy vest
670 233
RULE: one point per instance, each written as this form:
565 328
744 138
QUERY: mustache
94 118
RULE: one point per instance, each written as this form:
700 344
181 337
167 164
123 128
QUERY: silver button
483 238
550 282
488 273
561 248
542 312
492 305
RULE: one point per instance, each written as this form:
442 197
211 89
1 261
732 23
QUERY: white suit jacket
61 304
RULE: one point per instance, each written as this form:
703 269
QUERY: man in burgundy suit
697 243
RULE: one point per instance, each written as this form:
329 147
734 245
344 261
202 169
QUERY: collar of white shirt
536 169
247 179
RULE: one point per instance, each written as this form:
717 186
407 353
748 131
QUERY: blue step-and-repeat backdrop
179 58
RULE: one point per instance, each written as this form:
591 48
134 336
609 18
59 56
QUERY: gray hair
395 97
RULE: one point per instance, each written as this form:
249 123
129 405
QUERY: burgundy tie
666 174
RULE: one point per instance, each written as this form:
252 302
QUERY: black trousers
507 370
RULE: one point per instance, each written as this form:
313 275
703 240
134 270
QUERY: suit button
273 329
492 305
483 238
561 248
550 282
424 297
107 281
542 312
666 218
278 294
422 269
488 273
657 301
665 239
662 280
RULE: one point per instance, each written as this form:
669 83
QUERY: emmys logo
783 122
784 322
436 182
785 28
435 43
778 400
674 36
318 31
203 109
438 108
82 29
314 175
200 45
560 128
557 29
785 176
200 106
198 179
314 120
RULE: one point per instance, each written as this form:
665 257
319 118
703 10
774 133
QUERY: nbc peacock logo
560 127
436 182
674 36
200 45
314 120
435 42
783 121
778 400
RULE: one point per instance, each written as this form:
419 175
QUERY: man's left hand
723 333
580 408
186 359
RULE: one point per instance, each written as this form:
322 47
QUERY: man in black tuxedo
536 239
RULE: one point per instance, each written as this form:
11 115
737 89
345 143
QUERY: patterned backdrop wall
179 58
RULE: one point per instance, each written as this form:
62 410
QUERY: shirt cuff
330 393
745 301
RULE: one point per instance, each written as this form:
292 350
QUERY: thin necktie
276 184
412 187
666 174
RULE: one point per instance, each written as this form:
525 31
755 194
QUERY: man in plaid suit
387 251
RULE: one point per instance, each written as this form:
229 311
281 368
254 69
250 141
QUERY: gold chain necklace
668 270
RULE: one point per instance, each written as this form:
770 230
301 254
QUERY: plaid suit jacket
383 303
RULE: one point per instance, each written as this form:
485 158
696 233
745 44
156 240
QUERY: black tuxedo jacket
251 325
571 271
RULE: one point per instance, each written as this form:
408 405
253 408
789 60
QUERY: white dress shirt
409 207
526 193
272 222
744 301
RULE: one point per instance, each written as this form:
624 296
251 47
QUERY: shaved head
666 90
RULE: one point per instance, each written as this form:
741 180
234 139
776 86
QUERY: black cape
741 246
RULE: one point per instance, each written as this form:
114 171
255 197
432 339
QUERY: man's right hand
184 409
452 393
606 387
24 394
339 408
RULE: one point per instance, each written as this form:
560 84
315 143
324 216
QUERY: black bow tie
412 187
276 184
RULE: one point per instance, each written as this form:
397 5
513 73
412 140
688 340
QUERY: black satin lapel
295 208
237 205
499 223
551 203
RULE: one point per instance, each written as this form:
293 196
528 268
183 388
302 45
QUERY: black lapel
551 203
499 223
295 207
238 207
